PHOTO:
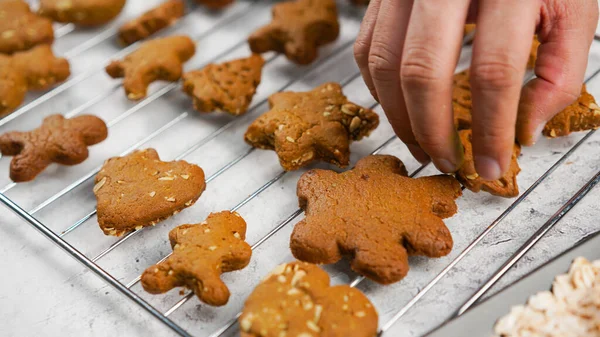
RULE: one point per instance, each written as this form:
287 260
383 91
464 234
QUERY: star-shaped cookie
58 140
20 29
375 215
298 28
201 253
227 87
295 299
581 115
139 190
158 59
311 126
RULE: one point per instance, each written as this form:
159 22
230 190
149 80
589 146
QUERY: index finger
500 52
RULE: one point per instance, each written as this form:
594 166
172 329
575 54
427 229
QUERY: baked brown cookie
461 100
298 28
81 12
227 87
469 27
375 215
504 187
158 59
151 21
295 299
20 29
311 126
201 253
139 190
34 69
215 4
360 2
58 140
581 115
533 54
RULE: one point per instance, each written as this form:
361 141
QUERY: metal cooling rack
60 203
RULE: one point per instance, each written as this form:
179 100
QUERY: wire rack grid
60 204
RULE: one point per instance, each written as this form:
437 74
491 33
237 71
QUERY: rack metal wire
125 289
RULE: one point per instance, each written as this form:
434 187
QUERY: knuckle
383 62
492 134
361 51
420 67
430 141
494 74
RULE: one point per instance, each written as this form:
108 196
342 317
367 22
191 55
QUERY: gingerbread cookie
20 29
295 299
140 190
375 215
581 115
158 59
215 4
58 140
533 54
297 29
81 12
461 100
469 28
201 253
225 87
311 126
151 21
504 187
34 69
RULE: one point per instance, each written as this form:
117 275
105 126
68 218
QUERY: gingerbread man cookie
34 69
140 190
215 4
581 115
20 29
298 28
151 21
375 215
58 140
461 100
158 59
81 12
310 126
295 299
225 87
201 253
504 187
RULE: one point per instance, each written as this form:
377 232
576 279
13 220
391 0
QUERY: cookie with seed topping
295 299
57 140
152 21
375 215
318 125
506 186
298 28
20 29
201 253
158 59
140 190
227 87
33 69
581 115
81 12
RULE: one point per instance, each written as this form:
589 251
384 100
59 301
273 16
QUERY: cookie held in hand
227 87
375 215
305 127
34 69
581 115
151 21
81 12
461 100
139 190
201 253
298 28
504 187
158 59
20 29
58 140
295 299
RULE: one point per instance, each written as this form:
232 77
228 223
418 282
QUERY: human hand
407 51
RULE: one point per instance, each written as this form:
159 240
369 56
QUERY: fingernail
418 153
488 168
445 165
537 134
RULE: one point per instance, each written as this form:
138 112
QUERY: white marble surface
46 293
